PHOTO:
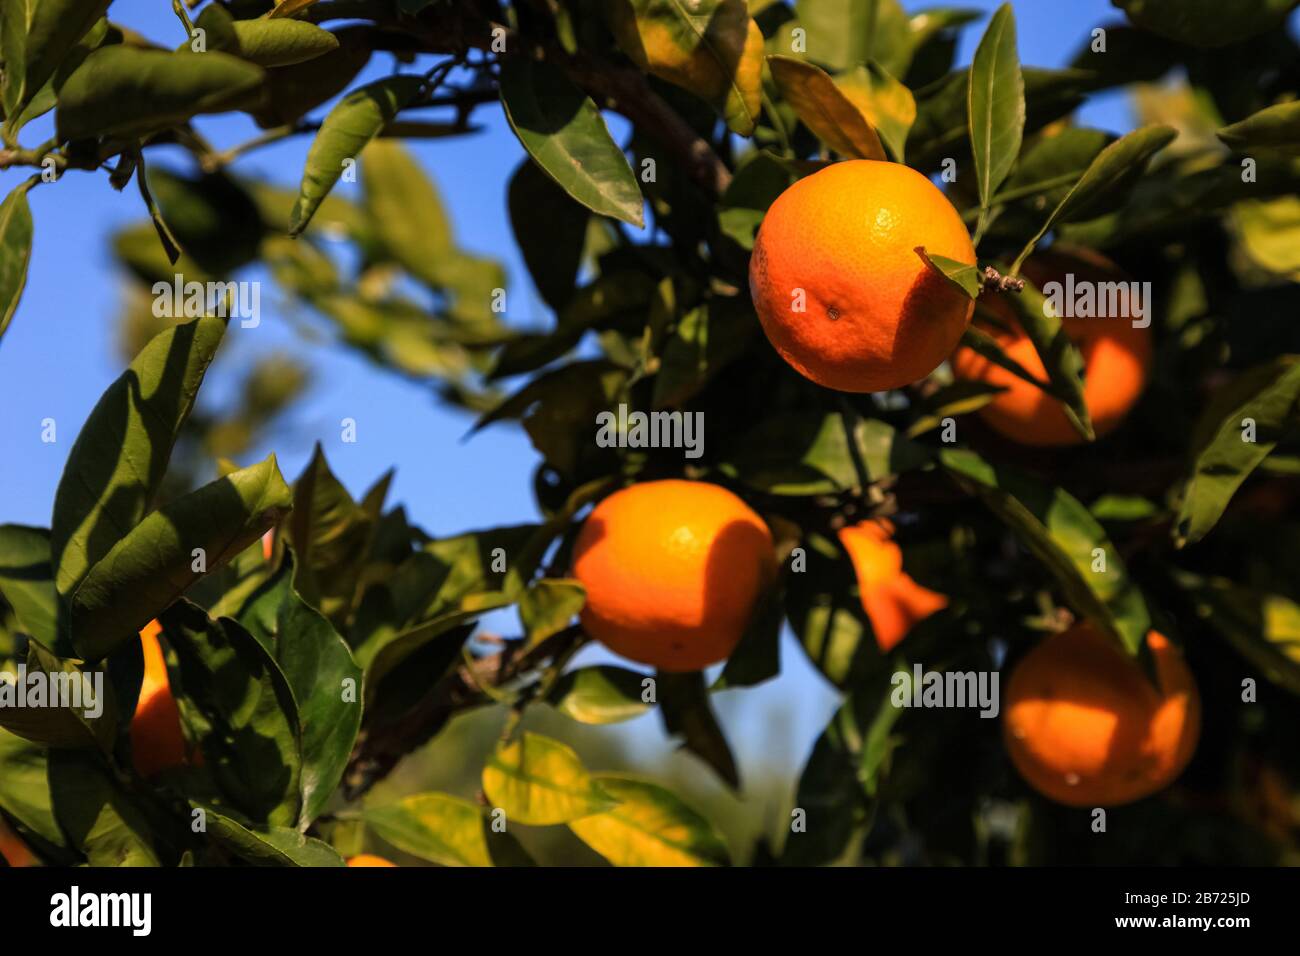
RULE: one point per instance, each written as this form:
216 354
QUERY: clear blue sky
60 353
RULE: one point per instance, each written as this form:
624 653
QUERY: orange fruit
12 849
1116 356
157 742
1085 727
841 245
673 570
891 598
368 859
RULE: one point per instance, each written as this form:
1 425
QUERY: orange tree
295 644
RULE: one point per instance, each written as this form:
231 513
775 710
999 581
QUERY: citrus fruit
1085 727
839 286
673 570
157 742
368 859
1115 353
12 849
891 598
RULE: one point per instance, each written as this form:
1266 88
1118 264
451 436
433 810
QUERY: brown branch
379 749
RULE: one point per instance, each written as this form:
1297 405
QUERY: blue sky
60 351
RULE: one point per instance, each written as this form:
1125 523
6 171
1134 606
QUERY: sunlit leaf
539 782
650 826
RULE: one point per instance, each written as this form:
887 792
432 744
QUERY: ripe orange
841 244
673 570
891 599
368 859
157 742
12 849
1116 356
1085 727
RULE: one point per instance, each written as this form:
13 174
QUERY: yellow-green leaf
886 103
649 827
15 251
540 782
710 47
825 109
436 827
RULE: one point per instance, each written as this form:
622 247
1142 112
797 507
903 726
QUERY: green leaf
1264 628
842 34
124 91
887 104
117 463
551 231
956 398
25 787
709 47
72 712
563 131
405 211
101 819
436 827
1277 127
15 251
687 713
288 8
353 122
1051 165
324 679
601 694
1267 396
548 606
757 657
1061 533
996 104
650 826
330 534
1060 357
35 37
977 340
292 91
838 786
270 42
27 580
1206 23
234 698
701 344
267 846
966 277
382 657
825 109
155 563
539 782
807 453
1117 165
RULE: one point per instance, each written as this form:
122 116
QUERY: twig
995 281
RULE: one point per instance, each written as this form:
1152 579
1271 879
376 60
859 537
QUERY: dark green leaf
101 819
551 230
842 34
324 679
71 712
159 559
1267 399
331 535
1061 533
35 38
27 580
25 787
267 846
963 275
687 713
124 91
118 460
1060 357
1264 628
15 251
563 131
1206 23
237 702
1115 166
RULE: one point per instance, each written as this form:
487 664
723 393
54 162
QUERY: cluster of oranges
674 569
